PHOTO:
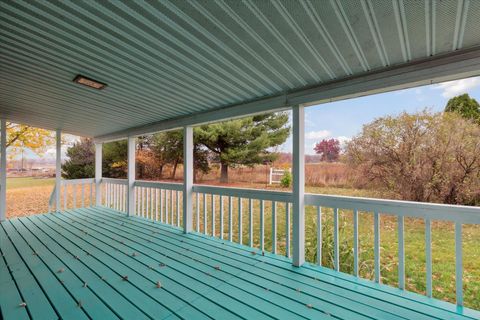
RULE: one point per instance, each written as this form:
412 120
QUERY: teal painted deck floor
96 263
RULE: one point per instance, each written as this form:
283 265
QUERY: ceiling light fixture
89 82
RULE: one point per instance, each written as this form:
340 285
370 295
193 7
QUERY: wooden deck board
201 277
271 264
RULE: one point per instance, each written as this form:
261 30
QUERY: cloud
453 88
322 134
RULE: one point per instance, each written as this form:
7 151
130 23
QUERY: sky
344 119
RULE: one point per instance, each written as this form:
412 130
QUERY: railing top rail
280 196
159 185
434 211
115 181
78 181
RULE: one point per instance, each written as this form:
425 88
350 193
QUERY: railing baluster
83 195
428 255
401 253
171 207
91 195
287 231
153 192
240 222
221 217
274 227
355 242
205 213
105 194
65 196
377 246
250 222
458 263
262 226
149 192
167 214
319 235
143 202
156 204
74 186
178 207
230 221
125 198
198 212
162 194
336 249
138 201
115 197
120 197
213 214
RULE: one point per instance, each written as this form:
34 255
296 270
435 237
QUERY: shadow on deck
96 263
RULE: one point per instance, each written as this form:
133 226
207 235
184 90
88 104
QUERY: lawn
29 182
26 196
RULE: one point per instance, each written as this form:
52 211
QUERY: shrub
431 157
286 180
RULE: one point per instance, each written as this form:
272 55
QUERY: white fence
239 215
276 175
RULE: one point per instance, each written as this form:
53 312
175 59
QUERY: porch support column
131 176
298 185
3 170
187 179
58 170
98 173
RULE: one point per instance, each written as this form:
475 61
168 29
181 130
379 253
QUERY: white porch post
98 173
3 170
58 170
187 179
298 185
131 176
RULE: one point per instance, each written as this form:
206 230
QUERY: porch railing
75 193
159 201
242 216
428 212
114 192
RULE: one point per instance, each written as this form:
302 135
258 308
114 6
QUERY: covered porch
99 263
126 248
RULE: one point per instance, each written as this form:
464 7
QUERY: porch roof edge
452 66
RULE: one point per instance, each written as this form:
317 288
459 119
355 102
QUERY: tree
247 141
421 157
81 160
465 106
329 150
21 136
114 162
168 149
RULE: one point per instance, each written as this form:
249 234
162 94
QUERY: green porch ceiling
169 59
